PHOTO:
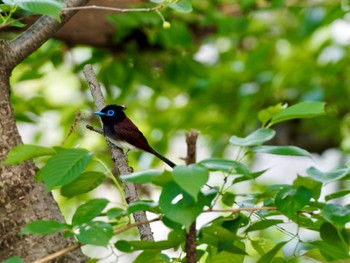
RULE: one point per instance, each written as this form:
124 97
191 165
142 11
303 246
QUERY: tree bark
21 198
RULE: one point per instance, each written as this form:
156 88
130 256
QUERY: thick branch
120 162
31 39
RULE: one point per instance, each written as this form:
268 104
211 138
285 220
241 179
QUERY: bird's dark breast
114 137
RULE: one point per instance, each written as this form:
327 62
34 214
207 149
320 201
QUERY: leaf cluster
186 193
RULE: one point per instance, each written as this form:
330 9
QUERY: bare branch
113 9
191 244
120 161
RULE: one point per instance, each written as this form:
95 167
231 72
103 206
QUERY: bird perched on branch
123 133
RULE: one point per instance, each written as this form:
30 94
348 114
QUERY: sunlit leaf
25 152
306 109
258 137
43 227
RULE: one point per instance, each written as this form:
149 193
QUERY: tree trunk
22 199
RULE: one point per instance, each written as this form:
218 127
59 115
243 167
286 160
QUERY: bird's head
111 114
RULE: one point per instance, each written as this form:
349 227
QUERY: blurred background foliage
213 70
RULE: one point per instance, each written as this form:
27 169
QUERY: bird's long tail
164 159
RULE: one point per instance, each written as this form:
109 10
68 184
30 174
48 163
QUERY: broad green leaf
227 257
263 224
43 227
182 6
95 233
314 186
327 177
219 233
14 260
142 205
330 234
337 214
152 256
337 195
331 251
43 7
281 150
266 115
84 183
306 109
179 206
227 166
64 167
124 246
258 137
191 178
89 211
269 256
228 198
25 152
142 177
157 1
115 213
290 200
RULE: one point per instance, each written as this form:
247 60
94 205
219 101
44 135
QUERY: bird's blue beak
99 113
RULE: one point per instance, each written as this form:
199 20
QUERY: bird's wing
128 131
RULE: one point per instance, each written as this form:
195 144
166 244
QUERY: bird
123 133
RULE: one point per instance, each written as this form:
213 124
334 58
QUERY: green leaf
261 225
157 1
266 115
327 177
306 109
337 195
336 214
25 152
43 7
258 137
269 256
115 213
89 211
142 177
123 246
227 166
314 186
151 256
64 167
179 206
226 257
182 6
14 260
191 178
331 251
43 227
95 233
228 198
281 150
142 205
84 183
290 200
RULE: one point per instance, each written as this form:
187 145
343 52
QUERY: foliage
186 193
258 53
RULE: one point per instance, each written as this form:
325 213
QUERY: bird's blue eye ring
110 113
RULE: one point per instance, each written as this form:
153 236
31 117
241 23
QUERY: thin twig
92 128
114 9
72 128
77 245
58 253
